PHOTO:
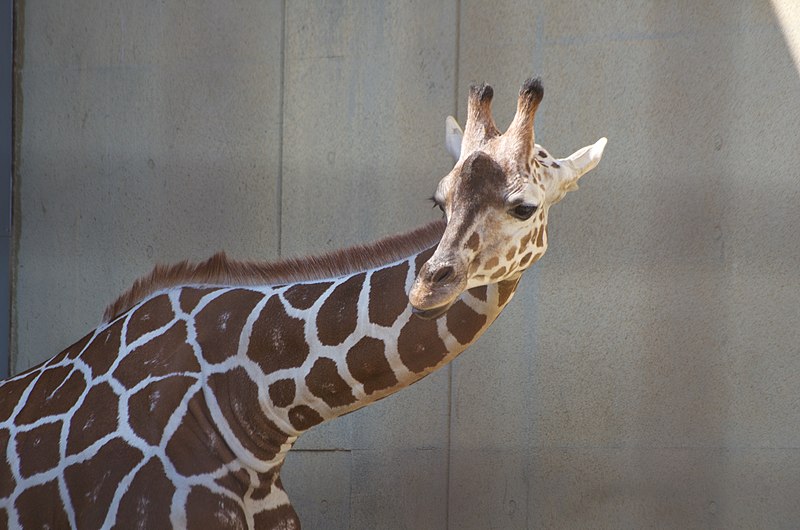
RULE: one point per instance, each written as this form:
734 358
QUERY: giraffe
179 409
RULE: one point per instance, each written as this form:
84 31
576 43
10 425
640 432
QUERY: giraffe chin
432 313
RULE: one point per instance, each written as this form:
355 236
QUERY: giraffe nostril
443 274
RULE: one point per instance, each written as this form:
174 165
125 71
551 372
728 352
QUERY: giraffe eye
523 211
436 203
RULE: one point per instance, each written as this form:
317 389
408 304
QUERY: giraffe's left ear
452 137
574 167
585 159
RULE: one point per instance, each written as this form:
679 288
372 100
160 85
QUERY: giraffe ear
452 137
585 159
574 167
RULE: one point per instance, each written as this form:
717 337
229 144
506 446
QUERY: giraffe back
117 428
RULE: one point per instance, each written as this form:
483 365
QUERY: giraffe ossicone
179 409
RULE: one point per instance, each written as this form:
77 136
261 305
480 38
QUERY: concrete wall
648 372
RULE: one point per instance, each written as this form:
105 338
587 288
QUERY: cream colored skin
496 199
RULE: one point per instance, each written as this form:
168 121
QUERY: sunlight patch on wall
788 14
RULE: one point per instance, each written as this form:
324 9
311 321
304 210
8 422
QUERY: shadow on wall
717 218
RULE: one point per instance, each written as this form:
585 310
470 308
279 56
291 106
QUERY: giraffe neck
369 344
311 351
192 398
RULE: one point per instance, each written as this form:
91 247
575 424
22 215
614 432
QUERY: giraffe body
182 409
179 410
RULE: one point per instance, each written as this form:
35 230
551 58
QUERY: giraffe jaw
433 312
432 301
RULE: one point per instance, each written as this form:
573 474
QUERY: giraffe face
496 201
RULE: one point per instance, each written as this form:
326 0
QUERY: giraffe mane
221 270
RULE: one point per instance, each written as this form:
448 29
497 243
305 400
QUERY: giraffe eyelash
435 203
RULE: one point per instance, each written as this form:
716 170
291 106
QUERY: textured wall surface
648 372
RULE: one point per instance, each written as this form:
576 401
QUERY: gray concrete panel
399 488
624 487
307 476
147 135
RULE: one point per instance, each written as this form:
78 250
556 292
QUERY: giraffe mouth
436 288
433 312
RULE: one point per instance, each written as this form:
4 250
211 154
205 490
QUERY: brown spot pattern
264 488
147 501
237 482
196 446
55 392
166 354
525 259
150 408
505 289
463 322
474 241
479 292
511 253
474 266
277 340
205 509
419 345
337 317
103 350
387 294
92 483
303 417
499 273
237 397
7 483
493 262
219 324
151 315
38 448
191 296
266 483
95 418
280 517
282 392
540 237
33 513
10 392
526 239
324 381
367 362
304 295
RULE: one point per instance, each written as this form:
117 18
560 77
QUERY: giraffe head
496 200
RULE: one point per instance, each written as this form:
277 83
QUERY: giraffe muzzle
437 286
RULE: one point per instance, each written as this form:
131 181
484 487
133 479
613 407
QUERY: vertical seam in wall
450 367
538 67
14 10
282 111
